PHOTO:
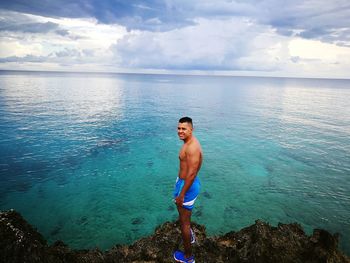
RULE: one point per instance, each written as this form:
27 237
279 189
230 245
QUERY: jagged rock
19 241
260 242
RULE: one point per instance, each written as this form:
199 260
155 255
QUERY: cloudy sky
303 38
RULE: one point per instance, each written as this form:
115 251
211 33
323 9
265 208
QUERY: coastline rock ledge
260 242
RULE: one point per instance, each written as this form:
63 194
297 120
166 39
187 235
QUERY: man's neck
188 139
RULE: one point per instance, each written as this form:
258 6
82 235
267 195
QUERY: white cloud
85 42
18 48
313 49
209 44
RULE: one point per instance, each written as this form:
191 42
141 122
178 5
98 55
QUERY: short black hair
186 119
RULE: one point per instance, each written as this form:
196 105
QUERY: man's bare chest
182 154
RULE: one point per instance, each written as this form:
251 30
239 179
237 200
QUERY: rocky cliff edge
261 242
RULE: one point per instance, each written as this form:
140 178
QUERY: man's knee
184 219
184 216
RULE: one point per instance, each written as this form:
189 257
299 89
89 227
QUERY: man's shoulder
194 146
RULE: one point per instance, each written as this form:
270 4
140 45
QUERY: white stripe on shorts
189 203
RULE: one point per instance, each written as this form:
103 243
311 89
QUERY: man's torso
194 146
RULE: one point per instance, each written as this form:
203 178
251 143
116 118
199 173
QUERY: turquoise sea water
91 159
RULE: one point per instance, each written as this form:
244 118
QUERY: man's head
185 128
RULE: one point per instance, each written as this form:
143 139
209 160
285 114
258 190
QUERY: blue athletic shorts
191 194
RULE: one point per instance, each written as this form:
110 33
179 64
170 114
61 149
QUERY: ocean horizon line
189 74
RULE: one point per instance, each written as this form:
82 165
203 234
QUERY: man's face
184 130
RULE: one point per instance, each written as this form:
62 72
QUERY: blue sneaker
193 237
179 256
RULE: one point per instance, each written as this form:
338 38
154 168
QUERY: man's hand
179 200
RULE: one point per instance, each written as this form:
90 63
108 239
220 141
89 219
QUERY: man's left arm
193 162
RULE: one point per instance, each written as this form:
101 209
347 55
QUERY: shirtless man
187 185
